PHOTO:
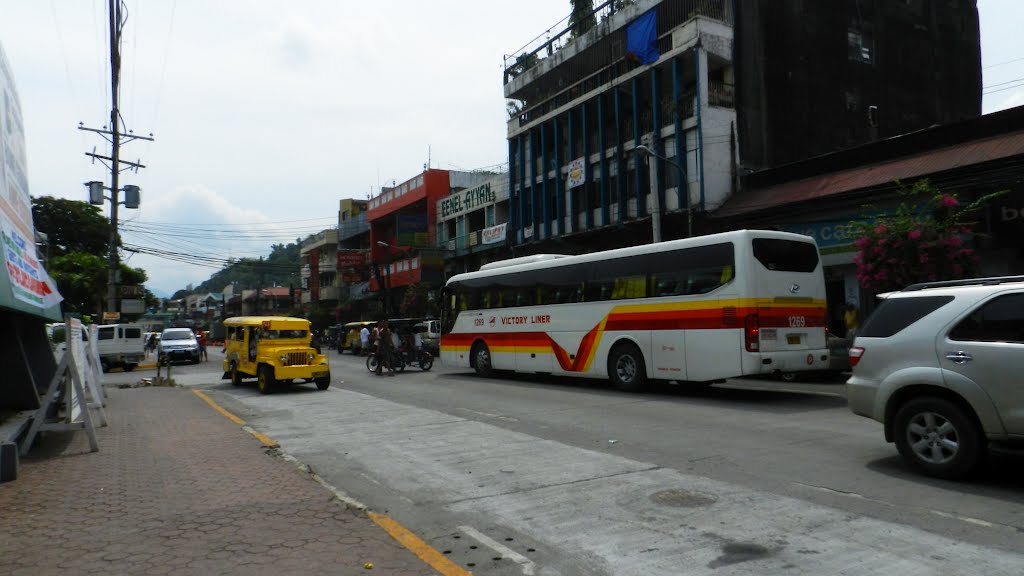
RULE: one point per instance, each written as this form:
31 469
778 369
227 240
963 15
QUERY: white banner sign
577 174
494 234
29 281
528 231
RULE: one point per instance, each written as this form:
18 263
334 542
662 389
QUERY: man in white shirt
364 340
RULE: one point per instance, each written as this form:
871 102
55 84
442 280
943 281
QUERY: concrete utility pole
656 201
115 136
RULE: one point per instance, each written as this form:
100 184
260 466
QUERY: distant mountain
158 292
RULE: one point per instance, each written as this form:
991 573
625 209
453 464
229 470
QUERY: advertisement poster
494 234
30 284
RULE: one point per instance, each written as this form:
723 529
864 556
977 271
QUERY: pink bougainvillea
922 241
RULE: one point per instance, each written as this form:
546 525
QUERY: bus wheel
265 379
482 359
626 368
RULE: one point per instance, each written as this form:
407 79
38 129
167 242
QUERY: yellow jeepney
274 350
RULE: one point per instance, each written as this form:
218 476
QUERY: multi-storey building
472 225
403 243
320 270
356 302
657 114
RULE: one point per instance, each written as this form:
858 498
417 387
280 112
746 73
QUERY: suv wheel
938 438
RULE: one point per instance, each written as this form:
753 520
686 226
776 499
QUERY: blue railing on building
353 227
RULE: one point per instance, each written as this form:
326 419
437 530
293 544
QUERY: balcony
353 227
469 243
319 240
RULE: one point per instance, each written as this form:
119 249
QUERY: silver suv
178 344
941 365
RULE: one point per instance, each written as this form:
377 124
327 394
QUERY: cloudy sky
266 113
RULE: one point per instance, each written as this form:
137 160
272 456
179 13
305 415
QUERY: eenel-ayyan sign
463 202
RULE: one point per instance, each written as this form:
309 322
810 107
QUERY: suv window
999 320
895 314
786 255
184 334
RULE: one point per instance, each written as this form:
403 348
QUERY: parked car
178 344
939 365
120 346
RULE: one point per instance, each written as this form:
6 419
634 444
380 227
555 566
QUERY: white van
121 345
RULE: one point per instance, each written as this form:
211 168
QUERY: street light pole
656 203
386 277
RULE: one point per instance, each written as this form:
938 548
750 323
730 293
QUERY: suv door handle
959 357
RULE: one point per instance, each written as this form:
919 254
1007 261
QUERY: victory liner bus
697 310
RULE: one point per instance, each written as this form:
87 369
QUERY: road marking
967 519
421 549
413 543
266 440
217 407
524 562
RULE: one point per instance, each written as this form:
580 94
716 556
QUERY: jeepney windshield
283 334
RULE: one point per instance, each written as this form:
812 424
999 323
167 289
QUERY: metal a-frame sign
77 384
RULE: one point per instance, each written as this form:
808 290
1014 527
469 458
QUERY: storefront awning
905 169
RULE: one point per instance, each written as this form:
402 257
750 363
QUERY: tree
582 17
71 226
923 241
81 279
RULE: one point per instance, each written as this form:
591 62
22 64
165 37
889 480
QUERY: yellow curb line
410 541
421 549
217 407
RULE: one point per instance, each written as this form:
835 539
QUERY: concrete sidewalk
177 488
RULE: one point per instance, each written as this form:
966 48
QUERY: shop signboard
494 234
351 259
577 175
411 230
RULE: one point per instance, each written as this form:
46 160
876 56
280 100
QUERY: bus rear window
786 255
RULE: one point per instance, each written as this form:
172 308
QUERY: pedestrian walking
384 349
364 340
202 346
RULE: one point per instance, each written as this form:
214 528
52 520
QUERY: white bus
695 310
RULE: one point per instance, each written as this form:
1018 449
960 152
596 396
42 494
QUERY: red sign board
351 277
351 259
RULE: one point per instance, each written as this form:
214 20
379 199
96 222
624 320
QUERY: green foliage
71 226
922 242
582 17
81 279
417 302
281 267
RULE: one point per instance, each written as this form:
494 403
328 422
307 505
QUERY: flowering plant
923 241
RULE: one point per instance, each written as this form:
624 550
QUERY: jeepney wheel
323 383
481 358
626 368
236 376
265 379
129 367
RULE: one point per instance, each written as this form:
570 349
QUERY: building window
489 216
859 46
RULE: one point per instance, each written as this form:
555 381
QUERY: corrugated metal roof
906 168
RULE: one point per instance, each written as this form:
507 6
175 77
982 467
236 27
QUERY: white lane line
524 562
967 519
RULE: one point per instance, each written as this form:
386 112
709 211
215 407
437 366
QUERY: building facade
472 225
652 119
403 243
320 271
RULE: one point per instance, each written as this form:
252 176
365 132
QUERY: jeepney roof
276 322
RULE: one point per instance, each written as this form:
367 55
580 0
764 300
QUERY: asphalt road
558 476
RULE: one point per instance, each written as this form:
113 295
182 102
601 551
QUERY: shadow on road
1001 476
760 395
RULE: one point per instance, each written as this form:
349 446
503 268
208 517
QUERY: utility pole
114 136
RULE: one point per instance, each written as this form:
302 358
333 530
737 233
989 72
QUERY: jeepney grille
297 358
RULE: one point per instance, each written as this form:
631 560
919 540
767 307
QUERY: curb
425 552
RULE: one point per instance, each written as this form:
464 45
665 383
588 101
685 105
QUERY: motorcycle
403 358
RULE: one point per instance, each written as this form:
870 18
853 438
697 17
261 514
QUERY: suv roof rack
966 282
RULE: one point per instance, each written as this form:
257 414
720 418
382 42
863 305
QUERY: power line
1003 63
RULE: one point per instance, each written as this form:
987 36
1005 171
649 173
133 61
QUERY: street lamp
656 203
385 279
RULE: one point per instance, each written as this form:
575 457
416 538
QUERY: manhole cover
683 498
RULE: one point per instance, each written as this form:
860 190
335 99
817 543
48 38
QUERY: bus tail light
856 353
752 332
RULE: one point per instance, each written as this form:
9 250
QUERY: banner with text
494 234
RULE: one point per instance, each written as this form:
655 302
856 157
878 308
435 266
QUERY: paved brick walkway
176 488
